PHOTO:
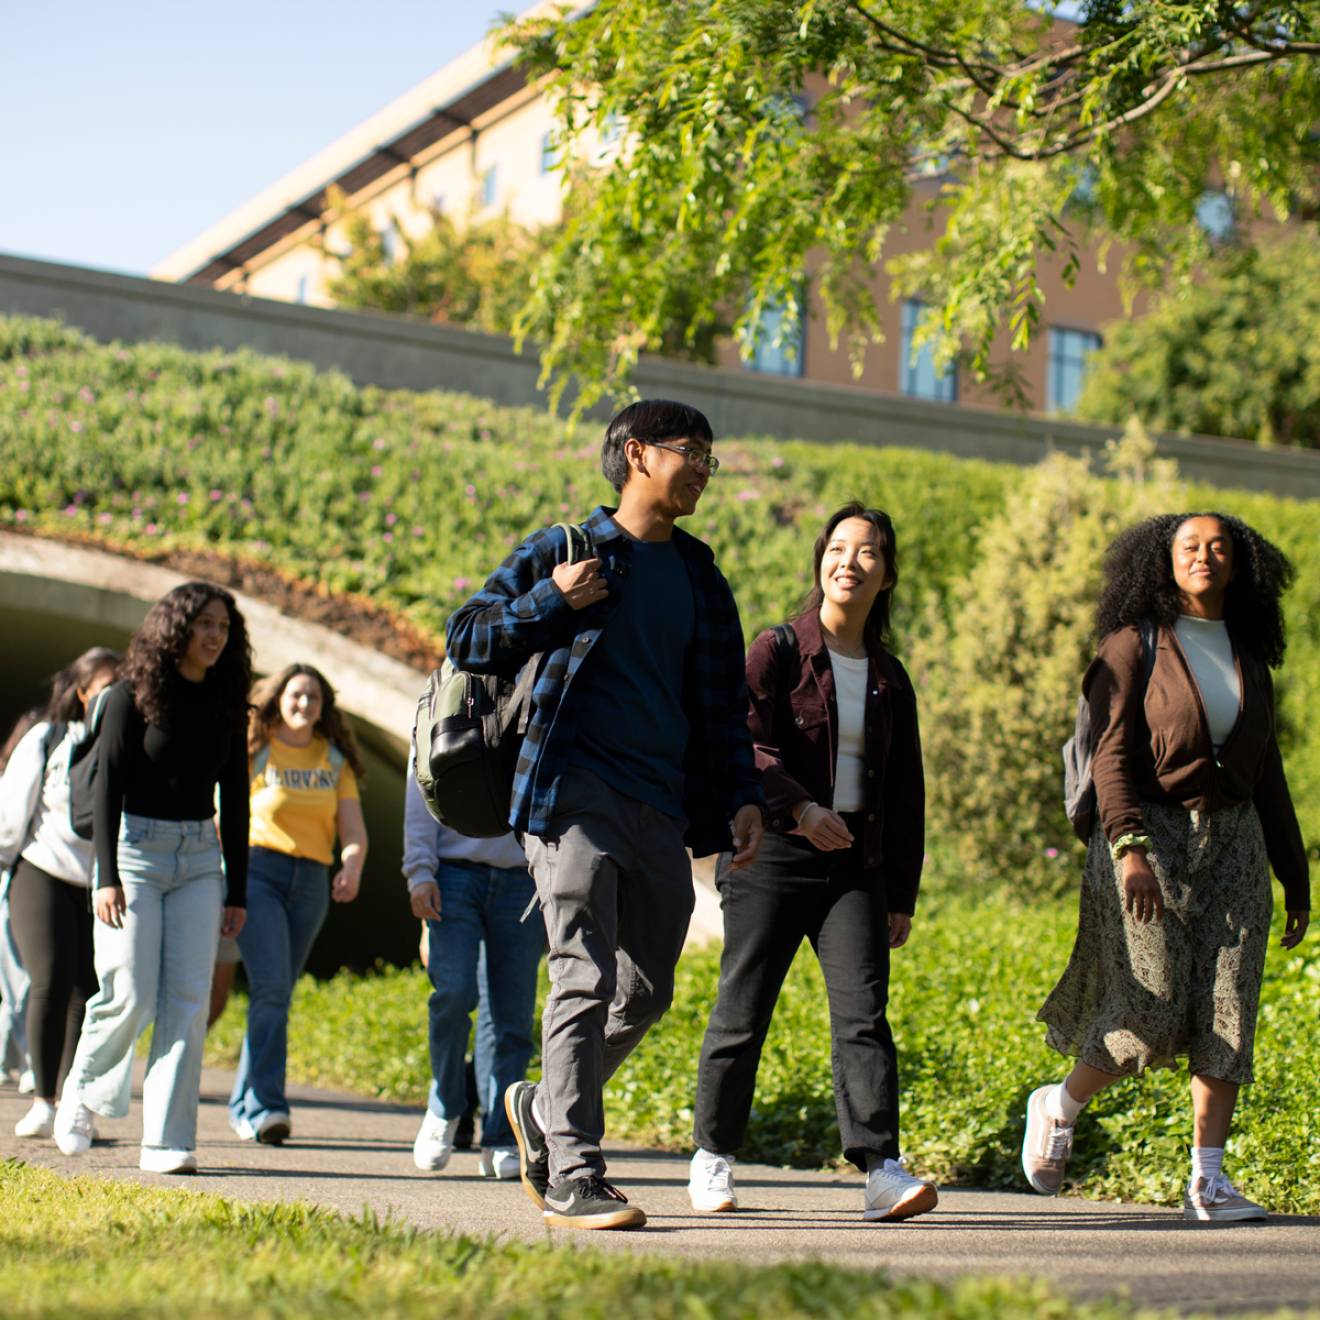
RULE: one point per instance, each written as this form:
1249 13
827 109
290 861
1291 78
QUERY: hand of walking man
580 584
231 922
748 826
425 902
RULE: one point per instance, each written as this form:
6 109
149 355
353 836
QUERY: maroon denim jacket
794 722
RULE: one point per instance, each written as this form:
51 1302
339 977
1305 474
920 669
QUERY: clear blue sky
127 129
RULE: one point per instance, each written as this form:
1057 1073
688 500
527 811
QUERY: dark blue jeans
287 900
480 911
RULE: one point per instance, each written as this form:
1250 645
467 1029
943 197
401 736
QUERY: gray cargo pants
615 887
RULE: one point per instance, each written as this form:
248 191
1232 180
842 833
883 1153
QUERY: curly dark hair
65 704
151 667
264 715
876 631
1139 585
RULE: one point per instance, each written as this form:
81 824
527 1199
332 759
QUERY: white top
1209 652
34 809
850 678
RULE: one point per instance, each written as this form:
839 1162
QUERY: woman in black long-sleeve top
173 729
834 722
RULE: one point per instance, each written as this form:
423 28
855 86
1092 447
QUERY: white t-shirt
850 677
1208 650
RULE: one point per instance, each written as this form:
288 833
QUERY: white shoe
27 1082
499 1162
710 1183
243 1128
892 1193
156 1159
435 1143
1216 1200
274 1129
75 1127
39 1121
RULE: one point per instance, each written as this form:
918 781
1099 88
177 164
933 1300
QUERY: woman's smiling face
1203 565
853 568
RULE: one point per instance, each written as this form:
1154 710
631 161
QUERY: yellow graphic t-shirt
296 792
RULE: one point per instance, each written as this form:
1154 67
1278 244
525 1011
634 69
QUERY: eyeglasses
697 458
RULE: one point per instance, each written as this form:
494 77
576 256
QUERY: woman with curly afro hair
1192 810
173 728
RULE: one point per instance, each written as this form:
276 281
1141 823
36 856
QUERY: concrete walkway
348 1153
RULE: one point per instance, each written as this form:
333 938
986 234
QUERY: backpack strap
337 760
54 735
260 761
1150 644
785 644
579 542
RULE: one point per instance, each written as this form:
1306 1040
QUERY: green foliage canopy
1235 353
727 187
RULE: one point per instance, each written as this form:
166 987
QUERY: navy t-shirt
631 729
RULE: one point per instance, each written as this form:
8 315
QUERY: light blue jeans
13 991
481 909
288 898
155 969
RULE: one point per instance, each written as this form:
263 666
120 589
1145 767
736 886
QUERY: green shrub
998 685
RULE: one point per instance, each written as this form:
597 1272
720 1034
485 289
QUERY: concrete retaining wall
398 353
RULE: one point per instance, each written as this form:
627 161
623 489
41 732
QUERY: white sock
1060 1105
1207 1162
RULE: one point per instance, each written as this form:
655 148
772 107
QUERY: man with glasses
638 745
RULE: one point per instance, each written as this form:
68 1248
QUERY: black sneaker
590 1202
533 1154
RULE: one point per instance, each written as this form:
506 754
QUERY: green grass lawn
90 1248
964 996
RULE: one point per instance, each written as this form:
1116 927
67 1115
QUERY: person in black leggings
48 903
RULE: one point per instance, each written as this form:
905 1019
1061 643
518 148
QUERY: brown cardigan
1162 752
794 723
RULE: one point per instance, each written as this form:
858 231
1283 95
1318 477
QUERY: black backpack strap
55 732
1150 642
786 643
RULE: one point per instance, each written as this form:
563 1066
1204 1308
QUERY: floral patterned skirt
1139 996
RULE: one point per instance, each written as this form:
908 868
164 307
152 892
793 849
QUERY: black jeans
53 932
790 892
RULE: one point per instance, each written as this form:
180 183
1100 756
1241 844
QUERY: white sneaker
1216 1200
274 1129
75 1127
710 1183
892 1193
243 1128
499 1162
27 1082
435 1143
39 1121
156 1159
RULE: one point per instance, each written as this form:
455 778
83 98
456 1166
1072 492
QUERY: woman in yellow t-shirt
304 770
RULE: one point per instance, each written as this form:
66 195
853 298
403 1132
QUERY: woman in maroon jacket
834 721
1193 810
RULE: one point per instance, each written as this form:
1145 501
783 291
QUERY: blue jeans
13 991
287 900
481 909
155 968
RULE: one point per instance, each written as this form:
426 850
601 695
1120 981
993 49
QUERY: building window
391 244
490 186
438 202
304 287
776 343
611 129
1069 350
1214 213
918 374
549 152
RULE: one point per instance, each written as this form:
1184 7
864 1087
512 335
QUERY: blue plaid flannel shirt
520 612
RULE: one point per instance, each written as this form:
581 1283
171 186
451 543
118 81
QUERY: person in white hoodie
484 944
48 890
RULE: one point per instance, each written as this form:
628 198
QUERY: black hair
151 667
65 704
649 420
876 631
1139 585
